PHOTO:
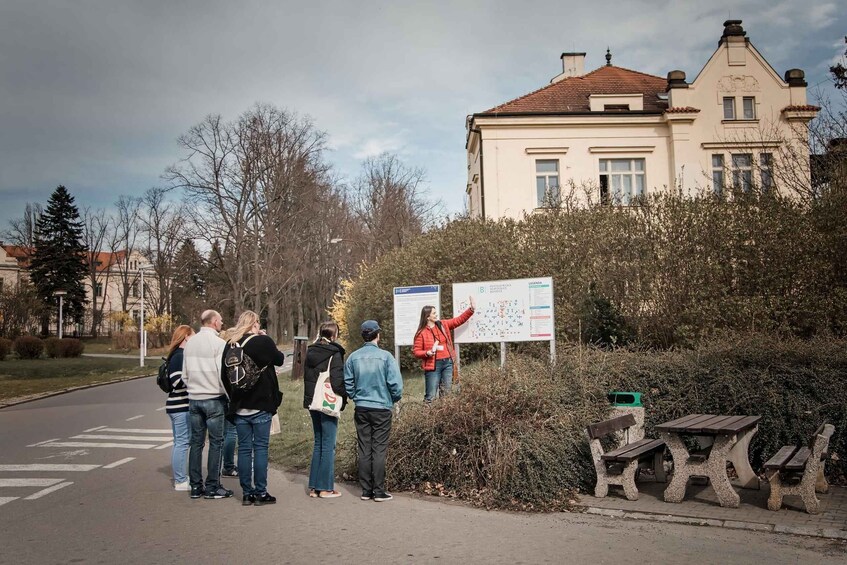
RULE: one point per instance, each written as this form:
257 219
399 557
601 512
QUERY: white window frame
731 107
619 195
551 192
742 175
718 173
766 171
752 114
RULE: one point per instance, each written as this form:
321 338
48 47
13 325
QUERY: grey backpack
241 370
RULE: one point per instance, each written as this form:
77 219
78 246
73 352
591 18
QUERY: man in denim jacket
373 381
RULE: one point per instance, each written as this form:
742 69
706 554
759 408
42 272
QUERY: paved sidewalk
701 507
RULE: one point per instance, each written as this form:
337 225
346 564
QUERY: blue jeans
230 436
254 435
322 470
179 456
206 415
442 375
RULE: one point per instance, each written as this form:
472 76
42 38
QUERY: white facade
613 134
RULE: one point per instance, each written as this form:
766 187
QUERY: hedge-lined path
701 506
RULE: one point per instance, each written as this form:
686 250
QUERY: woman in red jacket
434 346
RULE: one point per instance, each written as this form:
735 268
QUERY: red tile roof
106 259
570 95
682 110
17 251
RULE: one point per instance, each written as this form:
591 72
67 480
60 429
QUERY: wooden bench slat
607 427
746 422
634 450
685 427
704 424
798 462
782 457
667 425
715 427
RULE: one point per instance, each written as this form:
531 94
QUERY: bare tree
95 233
22 230
123 243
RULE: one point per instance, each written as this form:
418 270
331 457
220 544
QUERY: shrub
52 347
5 347
124 341
62 348
516 437
29 347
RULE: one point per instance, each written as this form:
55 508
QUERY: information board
408 302
512 310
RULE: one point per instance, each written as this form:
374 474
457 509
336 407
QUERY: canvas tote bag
325 400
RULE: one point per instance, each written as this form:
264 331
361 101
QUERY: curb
24 399
828 533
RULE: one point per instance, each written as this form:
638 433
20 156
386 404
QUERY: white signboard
514 310
408 302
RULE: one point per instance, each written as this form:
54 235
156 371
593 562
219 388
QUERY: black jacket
265 394
317 359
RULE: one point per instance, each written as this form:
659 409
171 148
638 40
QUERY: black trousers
372 429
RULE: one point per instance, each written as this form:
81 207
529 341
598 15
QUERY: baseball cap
370 326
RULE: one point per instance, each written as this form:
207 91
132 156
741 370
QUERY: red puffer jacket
424 339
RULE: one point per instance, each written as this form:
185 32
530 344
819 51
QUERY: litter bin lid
621 398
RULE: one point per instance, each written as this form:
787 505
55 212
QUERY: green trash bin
630 399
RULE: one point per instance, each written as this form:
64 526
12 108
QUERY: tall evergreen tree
58 262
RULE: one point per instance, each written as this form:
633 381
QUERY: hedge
64 347
5 347
29 347
516 437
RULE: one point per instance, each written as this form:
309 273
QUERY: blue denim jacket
372 378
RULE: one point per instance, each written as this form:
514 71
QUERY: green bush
516 437
5 347
64 347
29 347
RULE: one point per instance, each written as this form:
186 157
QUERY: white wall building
616 134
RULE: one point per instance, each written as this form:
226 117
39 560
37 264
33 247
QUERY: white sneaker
182 486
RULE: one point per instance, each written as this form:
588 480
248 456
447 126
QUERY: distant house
112 270
616 133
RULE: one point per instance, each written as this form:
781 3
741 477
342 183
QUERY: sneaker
261 500
367 495
184 486
219 492
248 500
197 492
329 494
230 473
382 497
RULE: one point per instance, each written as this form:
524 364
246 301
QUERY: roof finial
608 57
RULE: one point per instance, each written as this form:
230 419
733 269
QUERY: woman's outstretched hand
472 302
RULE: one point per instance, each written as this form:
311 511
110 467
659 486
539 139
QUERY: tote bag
325 400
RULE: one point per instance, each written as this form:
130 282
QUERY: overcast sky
93 94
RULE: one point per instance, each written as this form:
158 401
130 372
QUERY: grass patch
26 377
292 449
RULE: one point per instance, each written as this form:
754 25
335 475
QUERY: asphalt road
112 502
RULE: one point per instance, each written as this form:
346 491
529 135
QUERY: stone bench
798 470
619 466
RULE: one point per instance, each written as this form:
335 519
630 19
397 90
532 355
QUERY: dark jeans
206 415
230 436
254 435
441 377
372 429
322 469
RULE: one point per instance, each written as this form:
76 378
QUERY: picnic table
731 439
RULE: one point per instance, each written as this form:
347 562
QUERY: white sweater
201 369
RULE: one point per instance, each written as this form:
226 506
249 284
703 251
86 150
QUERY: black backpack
163 379
241 370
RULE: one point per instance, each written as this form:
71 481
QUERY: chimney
573 65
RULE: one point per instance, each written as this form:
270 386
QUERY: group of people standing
203 402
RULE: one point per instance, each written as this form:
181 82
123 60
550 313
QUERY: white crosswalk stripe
6 499
118 463
46 491
59 468
29 482
133 431
122 438
99 445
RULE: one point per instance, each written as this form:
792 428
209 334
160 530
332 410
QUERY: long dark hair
425 312
327 331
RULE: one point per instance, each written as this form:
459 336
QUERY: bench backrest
606 427
825 430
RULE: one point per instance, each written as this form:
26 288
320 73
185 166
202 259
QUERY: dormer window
616 107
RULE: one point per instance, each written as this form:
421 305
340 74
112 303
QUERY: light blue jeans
182 437
441 377
322 470
254 435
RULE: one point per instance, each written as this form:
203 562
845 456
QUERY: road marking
135 418
43 442
47 491
47 467
29 482
165 445
118 463
104 444
93 429
160 409
137 430
5 499
122 438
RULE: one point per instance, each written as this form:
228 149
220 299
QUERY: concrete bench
799 470
619 466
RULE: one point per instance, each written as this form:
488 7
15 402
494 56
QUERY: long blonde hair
244 325
180 334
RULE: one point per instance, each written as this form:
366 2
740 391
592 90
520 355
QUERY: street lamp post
61 294
142 342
